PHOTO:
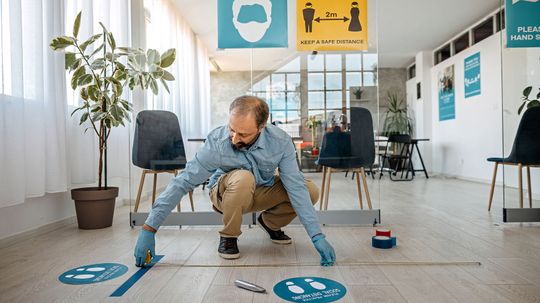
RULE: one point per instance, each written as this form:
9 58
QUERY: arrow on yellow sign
319 19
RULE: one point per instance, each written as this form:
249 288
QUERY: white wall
460 147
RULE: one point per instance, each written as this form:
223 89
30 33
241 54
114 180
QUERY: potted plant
313 123
103 75
358 93
529 102
396 118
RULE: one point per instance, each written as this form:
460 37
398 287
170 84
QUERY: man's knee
313 191
241 178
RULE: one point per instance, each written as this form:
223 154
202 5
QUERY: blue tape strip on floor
135 277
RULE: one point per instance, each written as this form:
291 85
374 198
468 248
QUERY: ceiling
400 28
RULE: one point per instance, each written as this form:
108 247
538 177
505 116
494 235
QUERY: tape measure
383 239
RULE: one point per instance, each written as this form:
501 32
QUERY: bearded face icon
252 31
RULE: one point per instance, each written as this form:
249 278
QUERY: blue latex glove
328 255
146 242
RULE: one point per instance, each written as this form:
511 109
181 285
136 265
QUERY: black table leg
421 161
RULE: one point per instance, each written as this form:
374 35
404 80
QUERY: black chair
158 148
525 152
397 163
348 151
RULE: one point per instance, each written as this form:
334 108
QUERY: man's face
243 129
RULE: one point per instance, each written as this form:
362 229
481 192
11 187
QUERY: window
461 43
442 54
500 21
411 72
483 30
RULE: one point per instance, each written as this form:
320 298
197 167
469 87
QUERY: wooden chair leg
327 190
191 201
520 185
321 197
492 190
359 189
141 184
368 198
529 185
154 189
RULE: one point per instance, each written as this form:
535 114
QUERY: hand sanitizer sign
310 289
93 273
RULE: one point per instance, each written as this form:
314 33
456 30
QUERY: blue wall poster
472 75
93 273
252 23
523 23
447 96
310 289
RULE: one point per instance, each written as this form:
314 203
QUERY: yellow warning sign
331 25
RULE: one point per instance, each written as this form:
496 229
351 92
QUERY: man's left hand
328 255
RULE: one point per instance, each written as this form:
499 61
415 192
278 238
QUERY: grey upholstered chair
158 148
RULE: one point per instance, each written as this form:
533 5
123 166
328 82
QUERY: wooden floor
434 220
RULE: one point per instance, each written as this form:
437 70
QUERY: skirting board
521 215
329 217
36 232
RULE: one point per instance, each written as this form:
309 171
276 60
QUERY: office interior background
435 198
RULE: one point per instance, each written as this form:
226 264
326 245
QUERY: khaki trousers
236 194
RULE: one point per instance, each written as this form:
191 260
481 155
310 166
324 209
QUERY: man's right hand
146 242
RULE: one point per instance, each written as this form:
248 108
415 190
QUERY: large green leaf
153 57
69 60
154 86
527 91
62 42
75 77
84 80
521 107
99 63
168 58
84 117
110 39
90 40
167 76
77 25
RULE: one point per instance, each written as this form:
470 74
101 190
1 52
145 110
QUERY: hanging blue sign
522 23
93 273
472 75
310 289
447 99
252 23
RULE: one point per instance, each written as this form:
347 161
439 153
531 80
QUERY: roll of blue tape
381 242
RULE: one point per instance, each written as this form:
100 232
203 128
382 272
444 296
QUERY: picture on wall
252 24
472 76
447 96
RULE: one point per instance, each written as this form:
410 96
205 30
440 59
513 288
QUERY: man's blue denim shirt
273 149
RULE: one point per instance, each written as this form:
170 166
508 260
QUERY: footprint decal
316 285
93 273
294 288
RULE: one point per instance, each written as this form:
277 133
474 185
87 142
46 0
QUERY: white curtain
190 92
32 101
42 149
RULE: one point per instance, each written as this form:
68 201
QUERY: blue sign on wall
472 76
310 289
93 273
252 23
447 96
523 23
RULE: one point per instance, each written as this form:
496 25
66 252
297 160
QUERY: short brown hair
244 105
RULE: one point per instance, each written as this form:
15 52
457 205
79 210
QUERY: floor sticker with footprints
310 289
93 273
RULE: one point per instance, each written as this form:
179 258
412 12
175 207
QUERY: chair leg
520 185
191 201
141 184
327 190
154 189
529 185
359 189
321 197
368 198
492 190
